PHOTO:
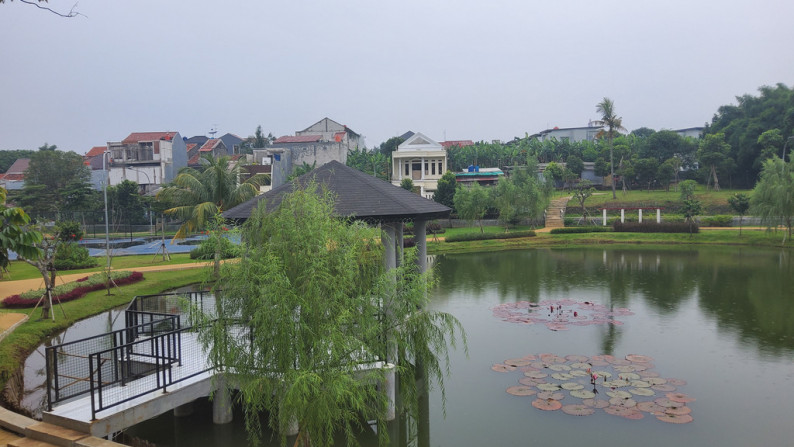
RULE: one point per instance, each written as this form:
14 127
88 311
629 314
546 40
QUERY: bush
409 242
571 230
717 221
206 249
486 236
653 227
68 231
70 256
431 227
72 290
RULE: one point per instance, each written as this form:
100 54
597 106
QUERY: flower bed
73 290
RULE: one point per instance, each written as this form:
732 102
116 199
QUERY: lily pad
619 362
553 395
517 362
578 410
634 415
521 390
562 376
646 392
651 407
559 367
500 367
676 382
548 387
583 394
571 386
665 387
680 397
529 381
640 384
678 410
618 410
619 383
629 376
576 358
675 418
580 365
647 373
596 403
625 368
667 403
603 374
577 372
619 394
655 380
620 402
546 405
535 374
639 358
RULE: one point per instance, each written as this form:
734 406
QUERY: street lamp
107 228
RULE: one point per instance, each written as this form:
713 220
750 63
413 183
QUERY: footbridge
103 384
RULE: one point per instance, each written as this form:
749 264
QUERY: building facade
150 159
422 160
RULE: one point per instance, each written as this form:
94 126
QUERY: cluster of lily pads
558 315
580 385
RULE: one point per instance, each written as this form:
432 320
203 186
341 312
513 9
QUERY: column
622 215
640 215
387 238
658 215
422 161
221 402
605 217
399 244
391 393
420 236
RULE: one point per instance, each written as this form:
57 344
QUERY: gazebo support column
622 215
388 237
658 215
605 216
420 236
640 215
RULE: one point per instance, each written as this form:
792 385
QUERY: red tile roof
299 139
19 166
136 137
96 150
459 143
210 144
190 146
194 160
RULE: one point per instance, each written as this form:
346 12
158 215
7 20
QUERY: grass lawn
714 202
23 270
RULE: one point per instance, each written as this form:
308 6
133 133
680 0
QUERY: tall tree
316 303
712 153
613 124
445 191
740 203
54 181
199 195
773 196
471 203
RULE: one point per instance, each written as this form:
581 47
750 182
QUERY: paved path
554 214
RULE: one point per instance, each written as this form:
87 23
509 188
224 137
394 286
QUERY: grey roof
358 195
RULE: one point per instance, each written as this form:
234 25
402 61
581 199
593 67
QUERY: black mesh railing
68 369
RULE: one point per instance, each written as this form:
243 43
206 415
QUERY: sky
453 70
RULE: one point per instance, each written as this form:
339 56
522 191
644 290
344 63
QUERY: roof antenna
213 131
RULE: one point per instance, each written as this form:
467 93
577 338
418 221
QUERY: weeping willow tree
306 306
773 196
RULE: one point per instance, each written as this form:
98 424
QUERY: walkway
555 213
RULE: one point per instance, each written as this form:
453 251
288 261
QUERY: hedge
486 236
653 227
717 221
571 230
72 290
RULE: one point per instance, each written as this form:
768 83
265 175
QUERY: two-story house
149 158
422 160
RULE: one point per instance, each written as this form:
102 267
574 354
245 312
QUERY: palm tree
613 125
198 195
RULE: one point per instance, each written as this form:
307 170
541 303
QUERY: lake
717 322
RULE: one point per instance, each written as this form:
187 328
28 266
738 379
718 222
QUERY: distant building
483 176
150 159
691 132
422 160
14 177
323 141
572 134
232 143
459 143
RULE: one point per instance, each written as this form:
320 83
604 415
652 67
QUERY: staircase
556 212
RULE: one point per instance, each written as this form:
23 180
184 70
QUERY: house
150 159
14 177
422 160
232 143
572 134
316 145
483 176
691 132
215 147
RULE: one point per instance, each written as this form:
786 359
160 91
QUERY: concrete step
54 434
27 442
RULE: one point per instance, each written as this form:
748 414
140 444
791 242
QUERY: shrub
409 242
72 290
717 221
571 230
431 227
68 231
653 227
70 256
206 249
487 236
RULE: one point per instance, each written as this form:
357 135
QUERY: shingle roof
298 139
136 137
358 195
19 166
96 150
209 145
459 143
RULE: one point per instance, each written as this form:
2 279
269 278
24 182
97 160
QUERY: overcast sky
478 70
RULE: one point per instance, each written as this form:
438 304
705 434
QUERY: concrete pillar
183 410
388 239
423 167
605 217
293 429
658 215
391 393
640 215
221 402
420 236
622 215
399 244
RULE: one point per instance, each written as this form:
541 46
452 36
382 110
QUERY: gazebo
363 197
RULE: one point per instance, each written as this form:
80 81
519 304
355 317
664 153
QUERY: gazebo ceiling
358 195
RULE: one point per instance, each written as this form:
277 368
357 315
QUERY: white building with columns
422 160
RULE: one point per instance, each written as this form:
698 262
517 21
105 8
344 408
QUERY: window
433 167
440 169
427 168
407 168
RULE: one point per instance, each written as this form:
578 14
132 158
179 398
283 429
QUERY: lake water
720 319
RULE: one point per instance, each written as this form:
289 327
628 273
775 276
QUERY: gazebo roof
358 195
